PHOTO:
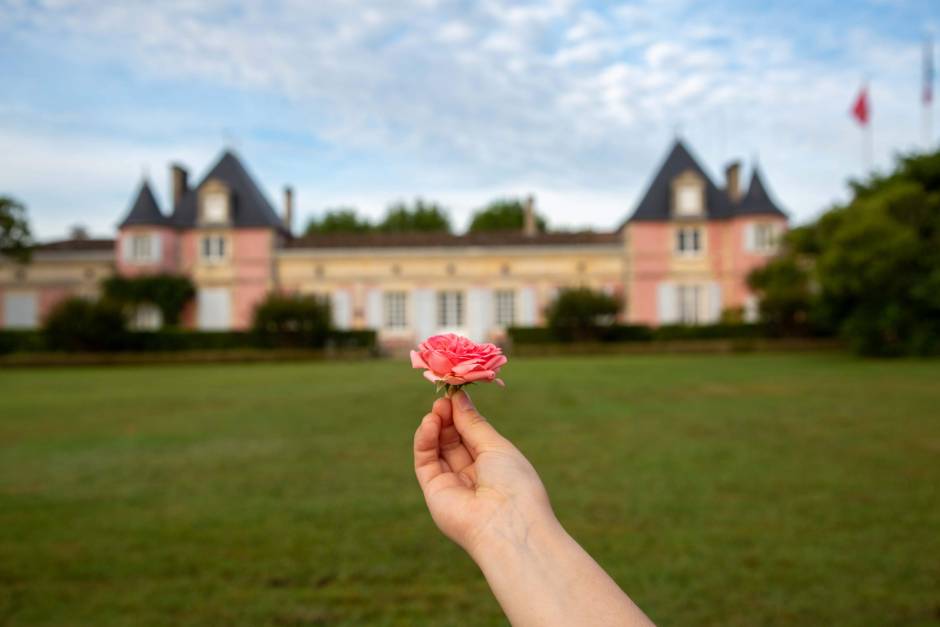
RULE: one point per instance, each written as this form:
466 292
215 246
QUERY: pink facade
649 254
166 261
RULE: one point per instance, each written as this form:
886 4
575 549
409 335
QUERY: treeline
507 214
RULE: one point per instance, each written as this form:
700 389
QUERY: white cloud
555 94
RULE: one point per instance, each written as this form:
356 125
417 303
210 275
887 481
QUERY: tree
339 220
580 314
292 320
423 216
15 237
874 263
786 300
507 214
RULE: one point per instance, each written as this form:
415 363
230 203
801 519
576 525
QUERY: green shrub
580 314
16 341
77 324
168 292
292 320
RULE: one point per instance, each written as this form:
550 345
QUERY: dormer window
688 195
689 201
214 204
215 208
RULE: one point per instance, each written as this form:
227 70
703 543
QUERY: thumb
475 431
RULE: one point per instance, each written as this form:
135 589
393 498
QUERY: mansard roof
655 205
757 200
145 211
250 207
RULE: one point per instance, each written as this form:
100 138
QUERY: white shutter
527 312
214 309
751 308
714 303
422 302
341 309
750 237
126 248
156 248
666 303
479 313
20 311
374 308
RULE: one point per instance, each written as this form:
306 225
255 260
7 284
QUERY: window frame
395 310
213 254
444 309
696 237
500 307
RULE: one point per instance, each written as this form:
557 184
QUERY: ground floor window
395 307
690 298
147 318
20 311
450 309
505 302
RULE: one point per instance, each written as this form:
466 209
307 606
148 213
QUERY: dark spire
144 211
757 200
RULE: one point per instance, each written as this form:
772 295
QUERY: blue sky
362 104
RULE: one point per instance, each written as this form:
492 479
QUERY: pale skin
485 495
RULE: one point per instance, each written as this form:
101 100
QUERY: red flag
860 109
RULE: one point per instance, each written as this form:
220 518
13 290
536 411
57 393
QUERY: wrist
516 534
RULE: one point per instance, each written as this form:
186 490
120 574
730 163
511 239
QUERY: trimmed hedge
640 333
168 340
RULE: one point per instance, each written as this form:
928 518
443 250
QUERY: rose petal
499 382
480 375
416 361
495 362
454 380
430 376
439 363
466 366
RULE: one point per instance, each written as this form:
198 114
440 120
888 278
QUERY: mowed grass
717 490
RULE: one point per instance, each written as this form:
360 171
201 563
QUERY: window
396 310
689 300
213 248
505 301
449 309
143 248
689 200
20 311
765 237
688 240
147 318
215 208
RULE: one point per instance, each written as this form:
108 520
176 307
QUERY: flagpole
927 93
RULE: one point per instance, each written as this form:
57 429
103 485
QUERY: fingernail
465 403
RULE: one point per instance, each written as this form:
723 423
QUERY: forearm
542 578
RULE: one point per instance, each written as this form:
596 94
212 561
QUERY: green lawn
717 490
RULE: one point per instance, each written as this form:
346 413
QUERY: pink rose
452 361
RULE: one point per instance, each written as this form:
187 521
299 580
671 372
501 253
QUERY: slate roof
655 204
76 245
434 239
144 210
249 206
757 200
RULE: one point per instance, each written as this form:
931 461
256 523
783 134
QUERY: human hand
477 485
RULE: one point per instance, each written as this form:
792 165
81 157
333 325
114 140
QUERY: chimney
289 208
179 183
529 228
78 232
733 180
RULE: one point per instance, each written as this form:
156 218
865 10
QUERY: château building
682 256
